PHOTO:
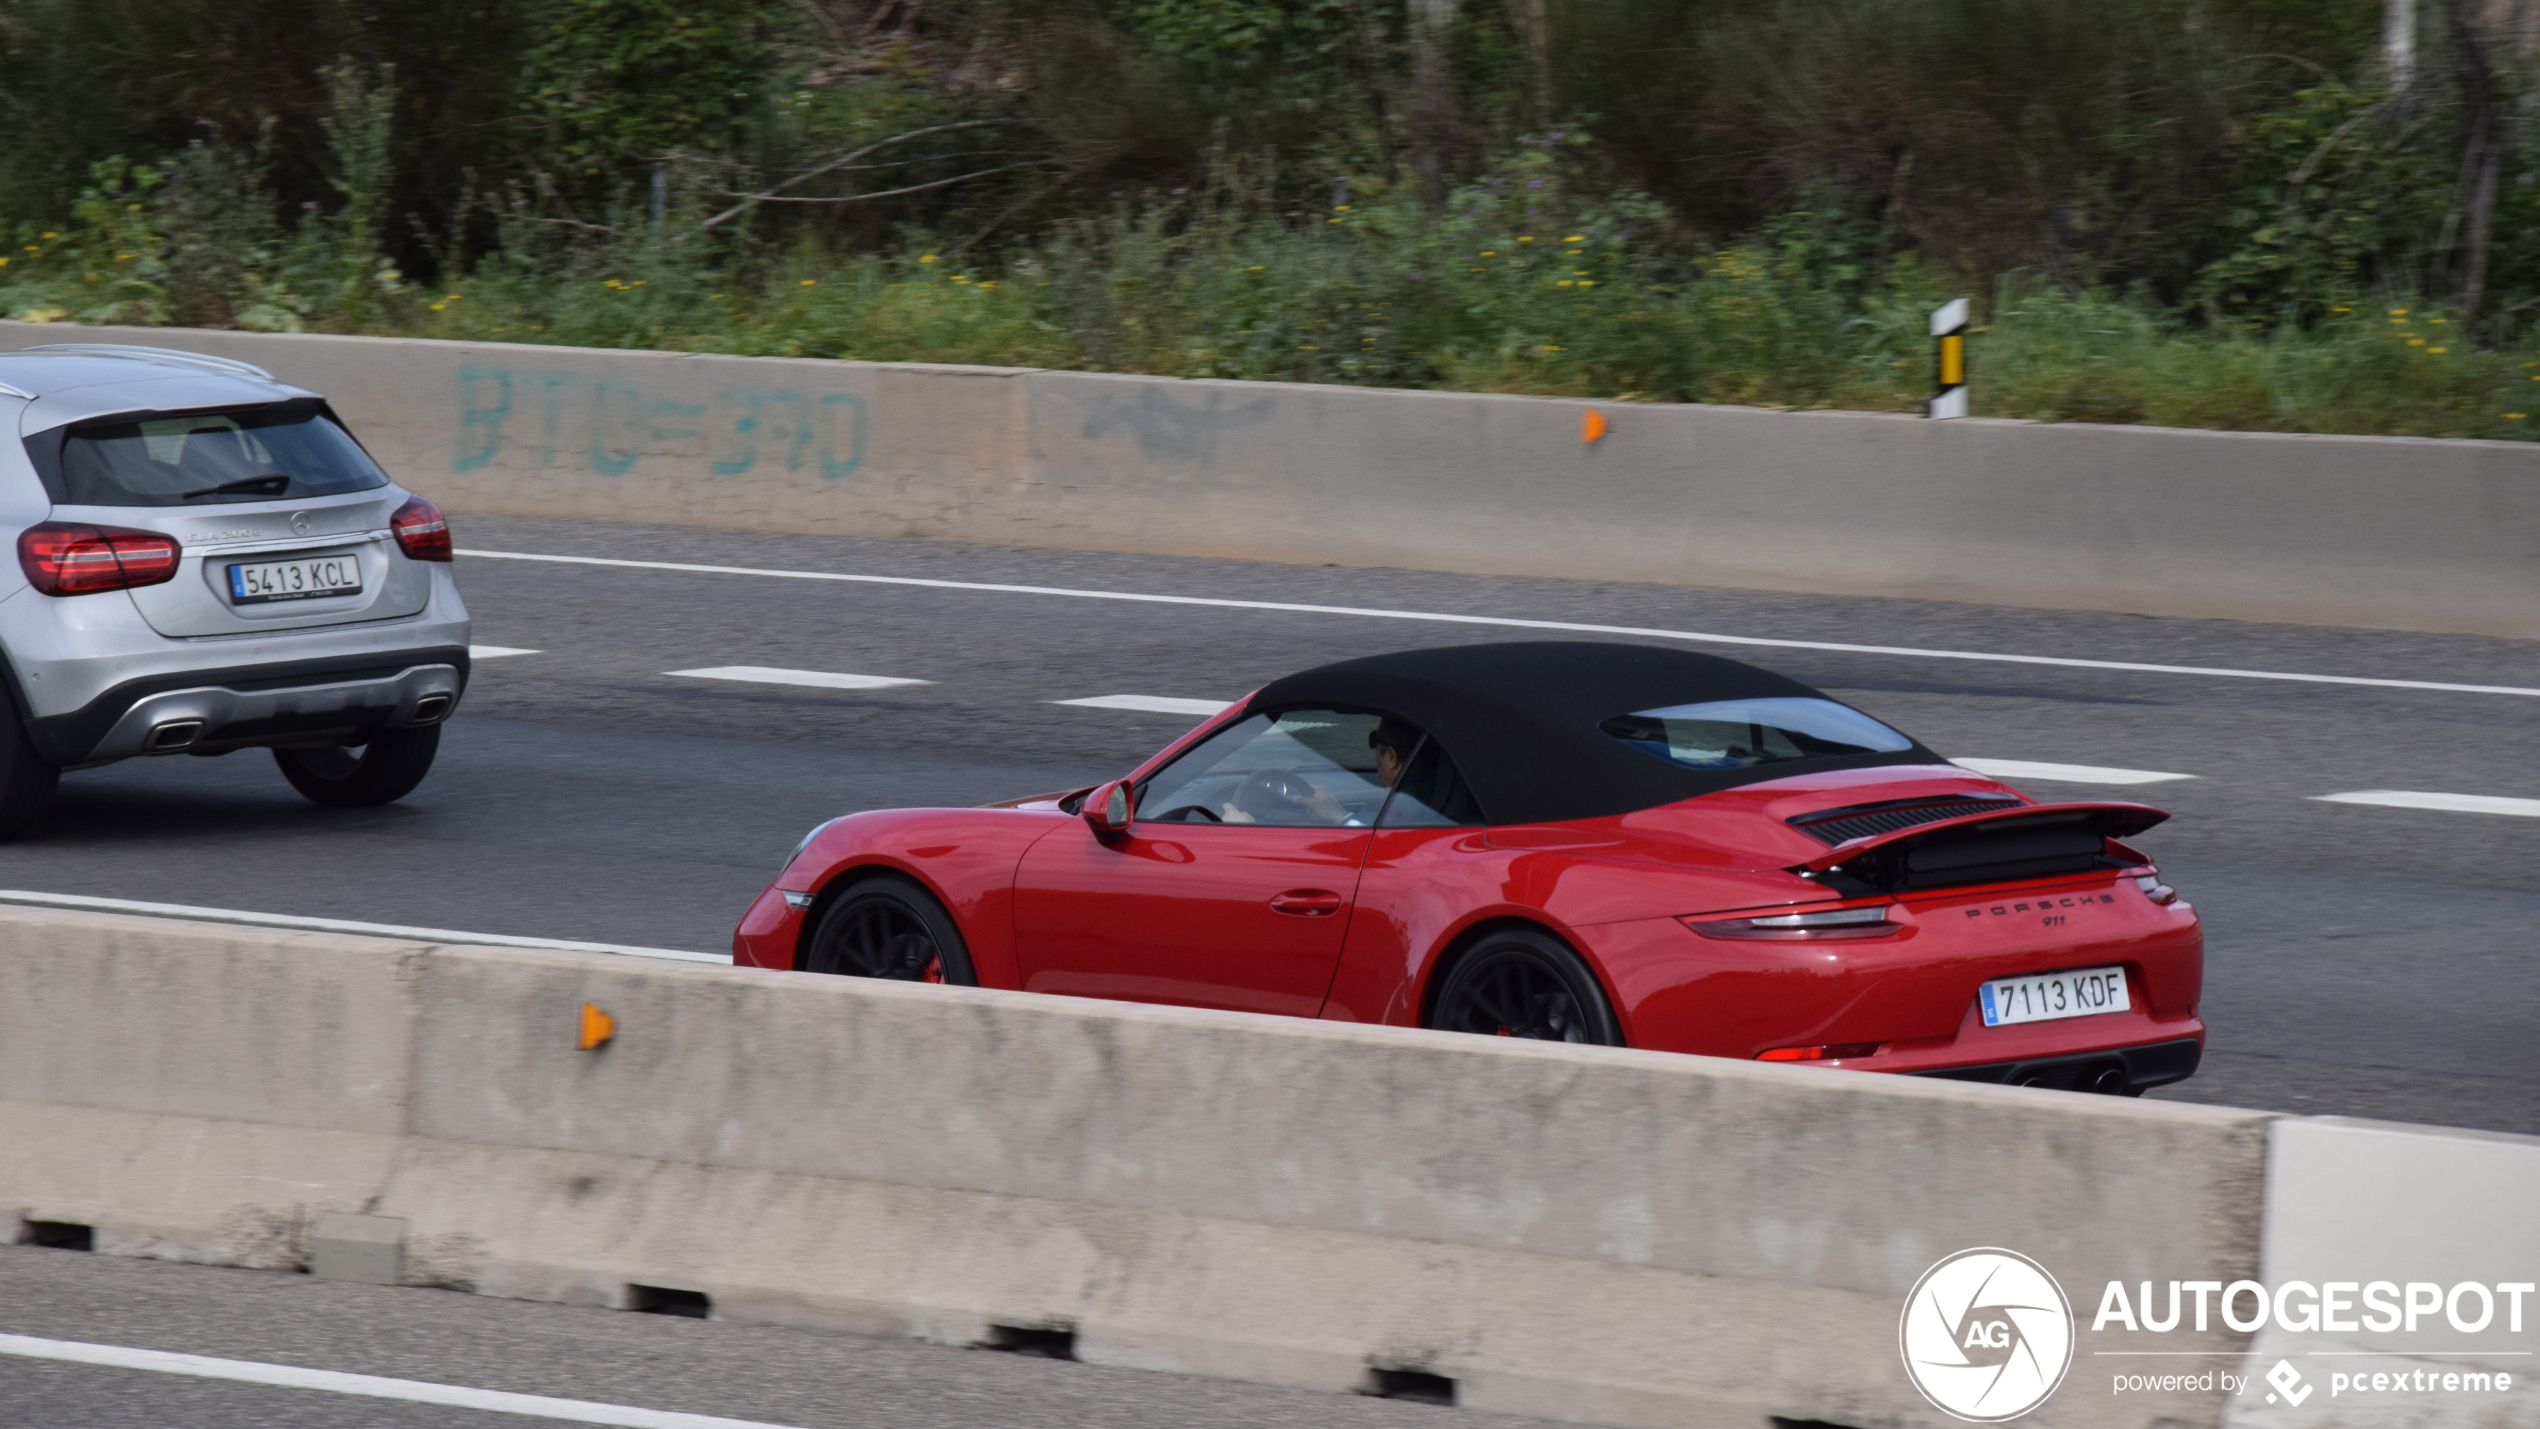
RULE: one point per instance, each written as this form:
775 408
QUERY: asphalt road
757 1373
2362 960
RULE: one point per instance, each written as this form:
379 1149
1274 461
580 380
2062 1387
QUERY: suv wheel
26 779
380 772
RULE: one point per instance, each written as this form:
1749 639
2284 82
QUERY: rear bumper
209 711
2154 1064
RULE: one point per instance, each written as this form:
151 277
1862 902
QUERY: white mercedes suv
208 562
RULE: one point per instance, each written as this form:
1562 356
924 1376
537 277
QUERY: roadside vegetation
2255 214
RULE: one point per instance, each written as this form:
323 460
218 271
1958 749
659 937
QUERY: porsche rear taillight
2148 878
422 532
73 558
1822 923
1830 1052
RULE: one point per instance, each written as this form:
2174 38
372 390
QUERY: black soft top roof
1520 719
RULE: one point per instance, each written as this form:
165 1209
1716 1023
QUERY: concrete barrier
1584 1233
2359 531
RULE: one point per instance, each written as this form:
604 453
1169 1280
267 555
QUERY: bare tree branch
774 195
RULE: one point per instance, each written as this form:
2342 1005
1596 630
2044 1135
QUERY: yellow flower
1578 272
2416 342
123 257
5 263
1255 268
1563 283
1520 238
436 307
2398 312
929 258
2438 349
2341 310
48 235
2398 322
2513 416
811 282
1340 208
1490 252
1575 238
1587 282
989 284
2438 320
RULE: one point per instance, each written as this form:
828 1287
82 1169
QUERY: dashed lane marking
1150 704
1512 623
817 679
2016 769
495 652
367 1386
340 925
2444 803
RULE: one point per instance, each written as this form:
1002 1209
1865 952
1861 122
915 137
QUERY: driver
1393 742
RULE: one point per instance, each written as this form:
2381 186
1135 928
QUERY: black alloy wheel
381 770
1519 982
887 927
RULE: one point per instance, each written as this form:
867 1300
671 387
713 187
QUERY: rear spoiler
2035 841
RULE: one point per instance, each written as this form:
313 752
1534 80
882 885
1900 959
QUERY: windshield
1739 734
285 452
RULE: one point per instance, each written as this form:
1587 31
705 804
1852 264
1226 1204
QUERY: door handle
1306 903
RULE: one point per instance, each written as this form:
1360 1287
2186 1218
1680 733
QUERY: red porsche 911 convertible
1574 841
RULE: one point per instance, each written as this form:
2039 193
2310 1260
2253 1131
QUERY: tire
27 779
1521 982
381 772
887 927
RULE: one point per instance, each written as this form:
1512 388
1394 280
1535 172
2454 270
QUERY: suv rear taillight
69 558
421 530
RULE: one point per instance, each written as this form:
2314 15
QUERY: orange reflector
1953 360
1592 427
597 1028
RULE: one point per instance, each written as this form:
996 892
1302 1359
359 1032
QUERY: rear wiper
271 485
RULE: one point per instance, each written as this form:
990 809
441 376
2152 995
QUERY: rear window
1739 734
283 452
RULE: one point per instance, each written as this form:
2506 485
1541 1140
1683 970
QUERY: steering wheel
1273 795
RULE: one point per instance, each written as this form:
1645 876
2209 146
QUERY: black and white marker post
1949 328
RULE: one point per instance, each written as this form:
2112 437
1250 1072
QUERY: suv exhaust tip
174 735
431 709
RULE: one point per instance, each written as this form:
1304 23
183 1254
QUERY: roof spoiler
2035 841
226 366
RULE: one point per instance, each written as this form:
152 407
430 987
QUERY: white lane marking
1152 704
1511 623
2446 803
2064 773
368 1386
818 679
495 652
340 925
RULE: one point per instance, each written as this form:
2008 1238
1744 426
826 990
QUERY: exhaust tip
2108 1082
431 709
175 734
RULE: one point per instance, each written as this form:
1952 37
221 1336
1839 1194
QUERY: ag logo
1987 1335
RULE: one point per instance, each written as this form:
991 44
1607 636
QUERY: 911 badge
1987 1335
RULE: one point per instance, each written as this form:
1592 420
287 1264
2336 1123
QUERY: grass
1526 284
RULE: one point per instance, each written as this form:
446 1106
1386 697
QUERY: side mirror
1109 808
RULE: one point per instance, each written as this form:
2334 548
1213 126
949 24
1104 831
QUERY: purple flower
1534 183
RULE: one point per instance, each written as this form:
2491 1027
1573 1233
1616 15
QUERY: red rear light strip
69 558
